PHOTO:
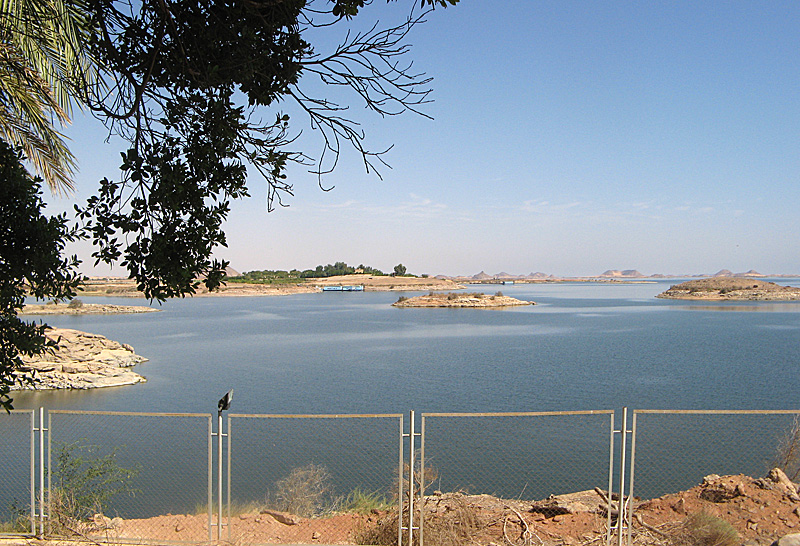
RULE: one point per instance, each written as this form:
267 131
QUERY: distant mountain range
608 274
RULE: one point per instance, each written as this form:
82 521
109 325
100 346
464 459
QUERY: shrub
75 304
459 524
498 294
363 502
306 491
788 451
704 529
83 484
401 299
18 521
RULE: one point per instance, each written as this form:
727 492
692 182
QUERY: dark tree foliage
192 87
339 268
31 248
185 83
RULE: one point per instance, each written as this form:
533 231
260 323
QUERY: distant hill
539 275
627 273
482 276
751 273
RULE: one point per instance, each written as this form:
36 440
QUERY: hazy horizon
570 136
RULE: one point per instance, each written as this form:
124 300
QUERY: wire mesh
298 479
129 476
517 456
15 472
674 450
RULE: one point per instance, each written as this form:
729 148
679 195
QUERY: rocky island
81 361
84 309
452 299
731 288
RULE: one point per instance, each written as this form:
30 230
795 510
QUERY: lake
584 346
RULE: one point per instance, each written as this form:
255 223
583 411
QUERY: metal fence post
411 486
33 474
610 478
629 512
210 503
41 471
400 485
422 479
622 509
411 491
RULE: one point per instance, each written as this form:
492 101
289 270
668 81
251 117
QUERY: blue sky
568 138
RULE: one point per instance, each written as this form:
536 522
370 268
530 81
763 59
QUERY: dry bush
422 480
788 451
704 529
456 526
306 491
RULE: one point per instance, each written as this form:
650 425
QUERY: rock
778 476
101 522
282 517
572 503
717 489
315 536
81 361
788 540
454 299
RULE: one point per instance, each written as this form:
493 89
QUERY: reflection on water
755 307
584 346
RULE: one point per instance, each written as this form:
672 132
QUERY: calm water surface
583 346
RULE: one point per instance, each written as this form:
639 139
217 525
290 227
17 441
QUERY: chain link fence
134 477
116 477
675 449
710 474
524 456
17 473
300 478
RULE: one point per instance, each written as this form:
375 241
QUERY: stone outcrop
453 299
84 309
731 288
81 361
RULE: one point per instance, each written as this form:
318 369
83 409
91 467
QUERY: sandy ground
760 510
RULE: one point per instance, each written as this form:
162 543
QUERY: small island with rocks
77 307
731 289
80 361
452 299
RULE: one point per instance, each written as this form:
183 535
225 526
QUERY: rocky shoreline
731 289
84 309
81 361
475 299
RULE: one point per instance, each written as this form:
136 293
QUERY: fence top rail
314 416
19 411
521 413
129 413
718 412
